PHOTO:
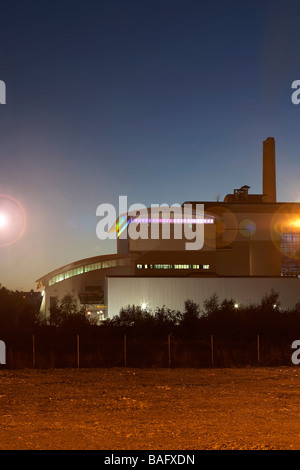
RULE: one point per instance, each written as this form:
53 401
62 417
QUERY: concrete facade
251 243
172 292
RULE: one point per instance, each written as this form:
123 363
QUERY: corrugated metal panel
173 292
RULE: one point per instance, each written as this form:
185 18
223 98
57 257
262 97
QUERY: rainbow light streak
120 228
173 221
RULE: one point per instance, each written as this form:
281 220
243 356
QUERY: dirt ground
150 409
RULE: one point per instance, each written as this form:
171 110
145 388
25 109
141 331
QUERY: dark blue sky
160 100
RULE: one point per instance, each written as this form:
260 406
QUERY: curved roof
88 264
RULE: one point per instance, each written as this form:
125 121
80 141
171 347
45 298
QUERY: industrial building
251 244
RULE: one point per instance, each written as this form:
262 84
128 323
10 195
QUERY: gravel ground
150 409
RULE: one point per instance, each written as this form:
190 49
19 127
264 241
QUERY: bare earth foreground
164 409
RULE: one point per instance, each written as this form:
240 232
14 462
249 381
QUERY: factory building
250 244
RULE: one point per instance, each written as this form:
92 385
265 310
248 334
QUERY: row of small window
89 267
172 266
113 263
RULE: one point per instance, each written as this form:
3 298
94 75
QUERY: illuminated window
172 221
163 266
58 278
173 266
290 254
89 267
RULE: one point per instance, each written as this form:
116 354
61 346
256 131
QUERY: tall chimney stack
269 170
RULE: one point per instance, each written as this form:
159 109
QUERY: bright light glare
144 306
12 220
3 220
296 223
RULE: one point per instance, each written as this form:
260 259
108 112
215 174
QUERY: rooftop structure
245 236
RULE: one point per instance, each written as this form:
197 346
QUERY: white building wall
172 292
76 285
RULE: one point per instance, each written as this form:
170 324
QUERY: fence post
125 351
212 349
33 351
169 349
258 350
78 363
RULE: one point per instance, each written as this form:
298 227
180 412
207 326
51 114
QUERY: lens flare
226 227
247 227
3 221
295 223
286 223
12 220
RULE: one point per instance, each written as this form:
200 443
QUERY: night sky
160 100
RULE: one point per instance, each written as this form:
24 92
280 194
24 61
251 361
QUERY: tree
191 313
16 310
164 316
211 305
66 313
132 315
270 301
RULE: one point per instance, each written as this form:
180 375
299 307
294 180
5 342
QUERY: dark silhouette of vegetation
235 329
19 309
65 314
